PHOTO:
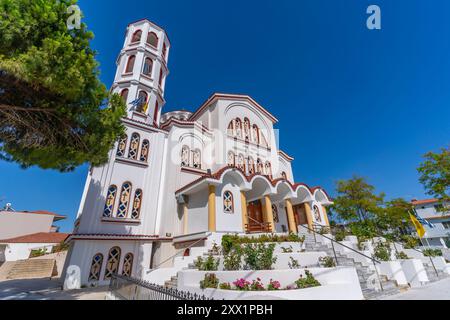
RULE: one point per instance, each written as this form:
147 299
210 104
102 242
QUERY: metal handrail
176 254
332 240
334 251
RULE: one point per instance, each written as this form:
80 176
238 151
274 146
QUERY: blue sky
349 100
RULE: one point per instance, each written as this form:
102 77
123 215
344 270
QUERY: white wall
21 251
17 224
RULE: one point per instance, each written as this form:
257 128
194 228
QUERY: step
33 268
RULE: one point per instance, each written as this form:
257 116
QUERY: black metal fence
126 288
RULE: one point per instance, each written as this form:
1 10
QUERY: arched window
164 51
268 169
127 265
259 166
142 101
228 204
185 156
96 267
134 146
231 128
231 159
137 203
124 95
246 129
144 150
197 159
241 162
251 166
152 39
130 64
110 200
276 218
317 213
160 78
238 128
122 146
124 200
148 67
263 140
112 265
136 36
255 134
284 175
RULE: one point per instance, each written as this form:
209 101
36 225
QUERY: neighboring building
24 231
176 177
431 210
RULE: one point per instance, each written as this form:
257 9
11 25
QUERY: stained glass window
124 200
197 159
127 265
231 159
284 175
110 199
228 205
241 163
144 150
238 128
251 166
122 146
134 146
246 129
185 156
112 265
275 213
255 134
269 169
137 204
317 214
148 67
259 166
96 267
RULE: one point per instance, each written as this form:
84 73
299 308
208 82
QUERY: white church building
177 177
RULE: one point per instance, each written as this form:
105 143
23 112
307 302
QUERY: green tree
394 218
54 111
356 200
435 174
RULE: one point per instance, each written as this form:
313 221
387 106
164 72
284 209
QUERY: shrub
62 246
293 264
409 242
38 253
340 234
233 259
273 285
401 255
210 281
215 250
324 230
432 252
208 264
228 241
382 251
307 282
225 286
259 256
327 262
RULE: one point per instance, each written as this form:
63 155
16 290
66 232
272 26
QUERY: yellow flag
145 107
419 227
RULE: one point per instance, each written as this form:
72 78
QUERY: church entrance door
255 217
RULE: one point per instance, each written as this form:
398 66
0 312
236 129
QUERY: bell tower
142 71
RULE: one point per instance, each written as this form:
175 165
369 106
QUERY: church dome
181 115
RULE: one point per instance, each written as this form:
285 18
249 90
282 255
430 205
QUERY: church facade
177 176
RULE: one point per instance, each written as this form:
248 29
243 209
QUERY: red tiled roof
425 201
217 176
41 237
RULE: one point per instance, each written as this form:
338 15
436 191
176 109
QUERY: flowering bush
307 282
257 285
242 284
273 285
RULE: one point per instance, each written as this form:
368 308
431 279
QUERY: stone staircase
368 278
32 269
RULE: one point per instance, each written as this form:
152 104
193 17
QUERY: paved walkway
44 289
439 290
